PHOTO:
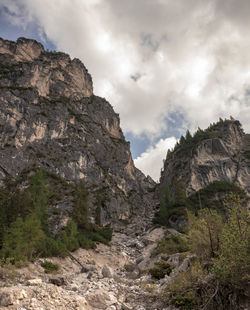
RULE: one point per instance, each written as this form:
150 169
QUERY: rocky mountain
50 118
62 152
219 153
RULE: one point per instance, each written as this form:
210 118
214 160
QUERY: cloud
151 161
154 58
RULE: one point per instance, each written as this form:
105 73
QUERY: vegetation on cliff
175 204
218 234
219 275
189 142
24 225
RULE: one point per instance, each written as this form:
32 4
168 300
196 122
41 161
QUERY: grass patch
50 267
172 244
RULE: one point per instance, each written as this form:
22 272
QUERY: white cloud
190 57
151 161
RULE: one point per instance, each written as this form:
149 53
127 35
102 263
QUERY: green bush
24 231
231 263
80 207
185 301
173 205
69 236
220 274
213 196
52 247
85 242
106 233
49 267
166 203
160 269
22 239
172 244
204 233
183 290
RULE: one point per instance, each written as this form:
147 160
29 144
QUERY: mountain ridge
218 153
51 118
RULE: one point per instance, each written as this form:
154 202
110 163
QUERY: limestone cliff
220 153
51 118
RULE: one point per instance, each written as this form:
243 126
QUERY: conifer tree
182 141
80 208
188 136
179 193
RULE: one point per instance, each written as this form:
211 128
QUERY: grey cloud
194 55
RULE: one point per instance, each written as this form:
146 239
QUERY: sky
165 66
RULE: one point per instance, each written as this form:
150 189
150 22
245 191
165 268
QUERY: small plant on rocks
160 269
50 267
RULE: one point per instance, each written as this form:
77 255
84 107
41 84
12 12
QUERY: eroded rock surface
223 157
49 117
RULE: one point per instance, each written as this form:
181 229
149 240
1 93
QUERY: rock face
51 118
51 74
224 156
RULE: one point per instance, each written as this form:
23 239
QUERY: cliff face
222 155
51 118
26 64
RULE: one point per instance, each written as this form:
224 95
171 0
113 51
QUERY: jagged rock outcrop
221 155
51 118
50 73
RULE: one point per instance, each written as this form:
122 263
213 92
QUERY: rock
140 308
167 279
35 281
139 259
100 299
106 272
174 260
74 287
154 235
126 307
59 281
11 296
220 157
50 118
87 268
186 263
89 276
130 267
172 231
6 298
135 244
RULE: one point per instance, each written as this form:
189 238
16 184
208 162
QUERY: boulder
106 272
59 281
11 296
100 299
37 281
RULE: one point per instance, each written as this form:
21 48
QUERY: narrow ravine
111 277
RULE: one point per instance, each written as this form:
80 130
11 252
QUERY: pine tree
80 208
22 239
69 236
166 203
179 193
188 136
182 141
